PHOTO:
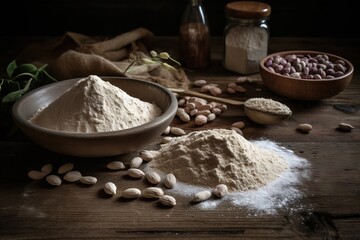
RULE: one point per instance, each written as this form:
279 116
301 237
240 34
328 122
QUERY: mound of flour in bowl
94 105
211 157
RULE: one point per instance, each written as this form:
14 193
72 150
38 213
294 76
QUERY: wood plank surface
328 209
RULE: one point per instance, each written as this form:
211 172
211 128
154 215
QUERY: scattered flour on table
95 105
260 175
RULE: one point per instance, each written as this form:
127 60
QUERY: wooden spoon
258 116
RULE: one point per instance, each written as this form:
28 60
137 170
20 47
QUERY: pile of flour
94 105
244 48
219 156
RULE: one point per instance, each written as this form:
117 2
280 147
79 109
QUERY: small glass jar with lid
246 35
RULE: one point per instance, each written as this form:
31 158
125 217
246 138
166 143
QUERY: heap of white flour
95 105
219 156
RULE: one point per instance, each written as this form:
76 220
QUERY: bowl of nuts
306 75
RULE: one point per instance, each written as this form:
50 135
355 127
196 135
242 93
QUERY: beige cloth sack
77 55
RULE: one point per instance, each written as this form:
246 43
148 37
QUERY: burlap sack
77 55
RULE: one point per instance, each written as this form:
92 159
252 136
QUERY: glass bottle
246 35
194 37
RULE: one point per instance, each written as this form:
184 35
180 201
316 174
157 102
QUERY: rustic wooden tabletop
327 206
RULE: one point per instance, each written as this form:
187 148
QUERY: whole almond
148 155
200 82
115 165
65 168
211 117
89 180
184 116
110 188
202 196
72 176
345 127
131 193
170 180
135 173
304 127
47 168
177 131
167 200
200 120
153 177
136 162
153 192
36 175
215 91
220 190
54 180
239 124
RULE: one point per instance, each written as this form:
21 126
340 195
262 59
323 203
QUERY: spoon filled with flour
94 105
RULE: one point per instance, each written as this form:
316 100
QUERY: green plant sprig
156 58
20 79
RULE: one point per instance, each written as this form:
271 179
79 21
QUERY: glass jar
246 36
194 36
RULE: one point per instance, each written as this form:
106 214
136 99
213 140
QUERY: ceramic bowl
305 88
100 144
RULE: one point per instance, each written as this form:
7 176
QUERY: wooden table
330 208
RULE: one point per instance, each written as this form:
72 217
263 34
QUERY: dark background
111 17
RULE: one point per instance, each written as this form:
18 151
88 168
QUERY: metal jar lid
247 10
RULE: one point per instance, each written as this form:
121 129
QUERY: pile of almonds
155 192
66 170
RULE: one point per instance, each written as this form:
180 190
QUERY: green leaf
21 77
11 67
13 96
42 78
8 86
1 83
24 68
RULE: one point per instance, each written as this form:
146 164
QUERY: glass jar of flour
246 35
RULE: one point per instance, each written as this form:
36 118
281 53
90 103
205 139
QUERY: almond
304 127
65 168
72 176
47 168
135 173
148 155
89 180
110 188
170 180
36 175
54 180
131 193
177 131
167 200
239 124
136 162
153 177
202 196
345 127
220 190
153 192
115 165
